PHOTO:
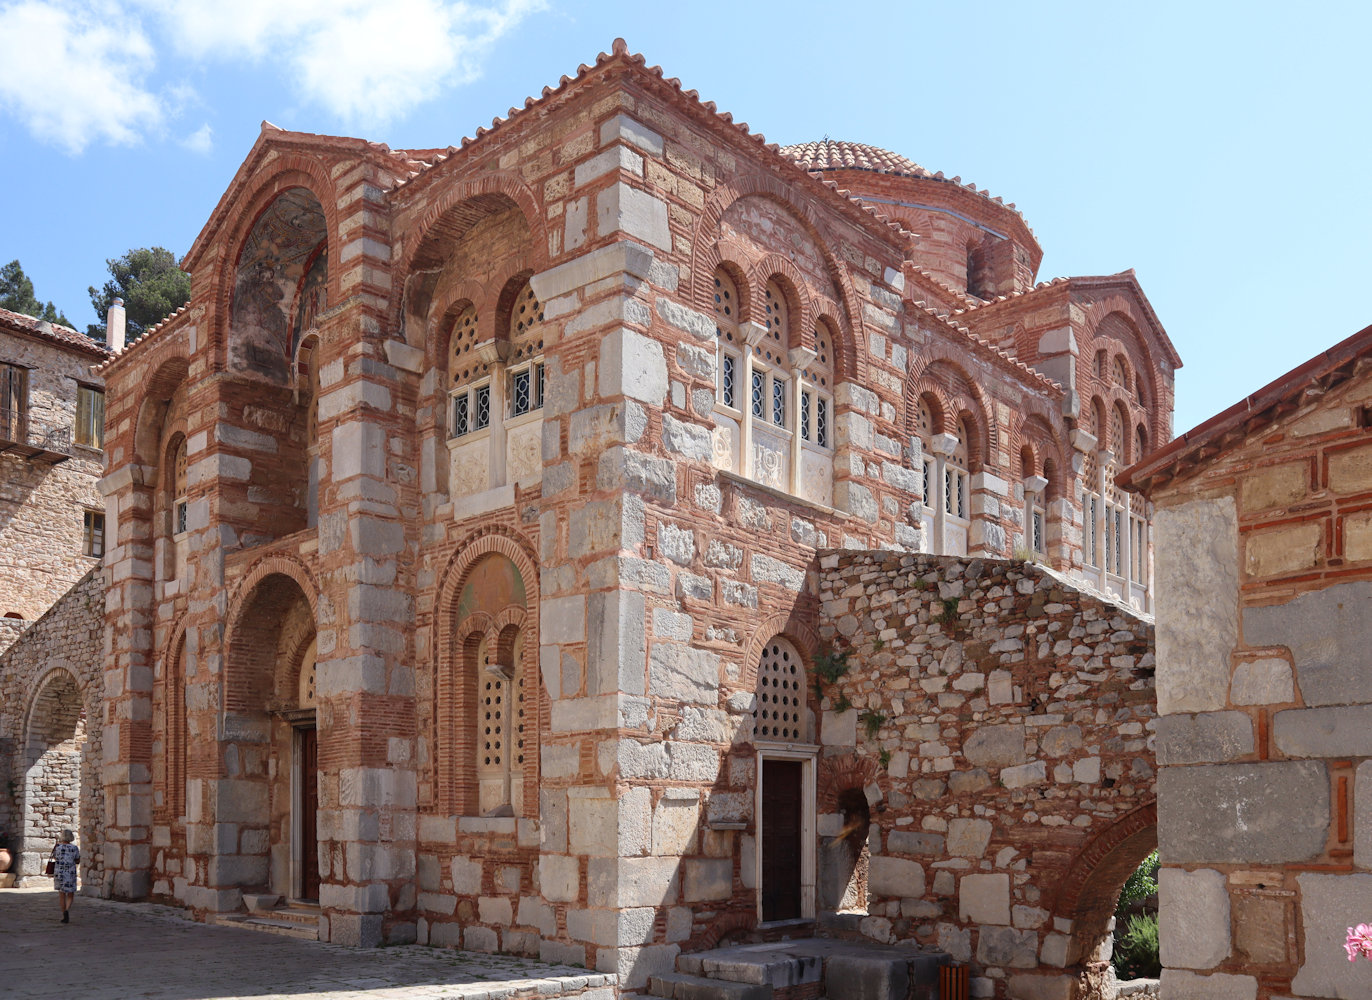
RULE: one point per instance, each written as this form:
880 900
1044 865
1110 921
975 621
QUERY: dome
830 154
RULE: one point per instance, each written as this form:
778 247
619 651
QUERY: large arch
263 782
53 766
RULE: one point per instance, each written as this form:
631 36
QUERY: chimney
114 326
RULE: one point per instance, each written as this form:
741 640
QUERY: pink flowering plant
1359 942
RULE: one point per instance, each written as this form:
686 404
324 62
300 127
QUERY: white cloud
362 61
75 75
200 141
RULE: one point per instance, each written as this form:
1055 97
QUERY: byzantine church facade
466 529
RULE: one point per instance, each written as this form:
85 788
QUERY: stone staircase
805 969
272 915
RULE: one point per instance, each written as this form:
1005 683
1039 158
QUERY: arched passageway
53 758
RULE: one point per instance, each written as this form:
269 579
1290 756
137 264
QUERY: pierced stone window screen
501 728
1118 442
780 711
1119 373
525 315
778 316
730 367
90 416
306 694
461 347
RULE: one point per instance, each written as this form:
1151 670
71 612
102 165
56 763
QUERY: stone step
295 913
680 986
272 925
772 967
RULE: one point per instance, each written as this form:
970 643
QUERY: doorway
306 819
786 836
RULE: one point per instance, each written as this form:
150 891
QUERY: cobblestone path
126 951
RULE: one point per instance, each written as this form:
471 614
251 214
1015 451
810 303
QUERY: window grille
955 492
1093 543
779 401
180 506
1119 541
483 407
759 383
780 710
461 416
1037 531
928 464
728 375
806 401
822 422
526 389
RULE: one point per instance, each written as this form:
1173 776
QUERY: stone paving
120 951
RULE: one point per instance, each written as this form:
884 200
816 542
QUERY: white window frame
470 391
535 371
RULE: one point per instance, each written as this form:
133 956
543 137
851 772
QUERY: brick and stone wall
42 504
1000 725
50 733
1265 785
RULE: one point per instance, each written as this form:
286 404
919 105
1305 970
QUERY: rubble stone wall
1004 739
50 737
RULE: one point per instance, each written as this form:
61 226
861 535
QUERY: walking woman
67 856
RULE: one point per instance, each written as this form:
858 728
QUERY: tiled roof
831 154
51 332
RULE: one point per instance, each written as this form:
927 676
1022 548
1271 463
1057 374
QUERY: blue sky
1219 149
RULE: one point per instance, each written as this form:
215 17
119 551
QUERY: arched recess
54 769
446 224
486 678
776 272
961 399
170 736
268 756
1090 888
851 365
799 633
151 418
280 284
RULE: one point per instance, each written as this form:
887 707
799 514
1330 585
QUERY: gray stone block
854 977
1197 587
1264 813
1006 946
1194 918
1221 986
1328 632
996 746
1209 738
1345 731
1330 904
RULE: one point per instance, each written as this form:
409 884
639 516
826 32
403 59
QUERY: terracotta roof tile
51 332
832 154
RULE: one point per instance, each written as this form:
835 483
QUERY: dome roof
831 154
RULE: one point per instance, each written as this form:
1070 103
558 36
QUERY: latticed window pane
180 516
461 415
779 402
483 408
538 386
805 405
928 464
520 392
727 375
822 422
759 386
1093 548
492 721
1119 542
1038 531
780 710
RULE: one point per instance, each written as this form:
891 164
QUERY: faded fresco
280 289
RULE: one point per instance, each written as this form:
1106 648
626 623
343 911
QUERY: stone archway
52 763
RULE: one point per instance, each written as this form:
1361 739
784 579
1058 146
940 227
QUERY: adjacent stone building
1264 576
475 549
52 516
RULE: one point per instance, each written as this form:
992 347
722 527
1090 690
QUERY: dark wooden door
309 814
781 840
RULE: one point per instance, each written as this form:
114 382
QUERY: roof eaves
52 333
989 350
1228 427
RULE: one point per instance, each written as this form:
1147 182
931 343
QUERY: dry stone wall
50 733
1003 726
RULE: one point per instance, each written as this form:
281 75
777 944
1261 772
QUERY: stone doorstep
270 925
861 971
679 986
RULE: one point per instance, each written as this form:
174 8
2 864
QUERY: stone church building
587 542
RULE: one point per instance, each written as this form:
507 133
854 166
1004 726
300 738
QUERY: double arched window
773 401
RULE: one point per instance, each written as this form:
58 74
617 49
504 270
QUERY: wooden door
309 814
781 838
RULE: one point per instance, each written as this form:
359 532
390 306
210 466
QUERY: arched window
780 712
816 399
501 721
525 394
1119 440
1120 372
468 379
771 410
955 476
924 428
180 504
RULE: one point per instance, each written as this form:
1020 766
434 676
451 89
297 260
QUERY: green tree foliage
1137 950
151 285
1139 886
17 295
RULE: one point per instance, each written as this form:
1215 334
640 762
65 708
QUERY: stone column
943 446
752 334
800 359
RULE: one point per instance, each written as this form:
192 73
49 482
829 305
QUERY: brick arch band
237 683
453 695
705 257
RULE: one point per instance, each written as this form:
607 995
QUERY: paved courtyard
120 951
